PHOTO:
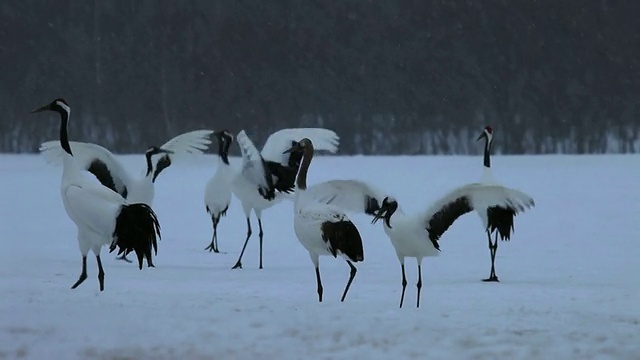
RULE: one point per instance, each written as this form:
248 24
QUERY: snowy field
570 277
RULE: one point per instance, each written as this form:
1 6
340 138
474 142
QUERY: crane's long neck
149 164
487 155
301 181
223 151
64 134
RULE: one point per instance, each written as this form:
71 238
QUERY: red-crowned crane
102 216
321 228
267 177
111 173
217 193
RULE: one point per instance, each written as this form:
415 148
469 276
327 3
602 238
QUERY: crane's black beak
288 150
482 136
165 151
382 214
379 215
42 108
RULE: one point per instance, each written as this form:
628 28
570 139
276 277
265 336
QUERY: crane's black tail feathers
137 229
501 218
343 236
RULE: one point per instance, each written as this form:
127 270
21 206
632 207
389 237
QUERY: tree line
391 77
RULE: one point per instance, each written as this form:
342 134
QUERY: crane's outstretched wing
253 166
279 141
193 142
93 158
350 195
446 210
283 168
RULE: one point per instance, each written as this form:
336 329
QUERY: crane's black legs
404 285
150 262
493 248
260 236
352 275
419 284
319 281
239 262
100 273
83 275
214 239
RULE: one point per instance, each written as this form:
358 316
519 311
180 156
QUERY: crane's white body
142 191
217 193
218 190
138 190
91 206
409 237
309 216
246 191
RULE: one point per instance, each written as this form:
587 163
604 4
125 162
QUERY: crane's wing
93 158
193 142
350 195
283 168
94 206
253 166
446 210
282 140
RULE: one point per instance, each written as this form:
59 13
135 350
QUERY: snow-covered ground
570 277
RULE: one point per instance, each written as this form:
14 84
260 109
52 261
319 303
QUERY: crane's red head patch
488 129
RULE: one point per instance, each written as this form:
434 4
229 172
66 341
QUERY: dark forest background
391 77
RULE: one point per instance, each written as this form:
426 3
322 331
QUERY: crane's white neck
487 176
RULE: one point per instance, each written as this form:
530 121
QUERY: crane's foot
124 257
238 265
211 248
491 279
82 278
215 250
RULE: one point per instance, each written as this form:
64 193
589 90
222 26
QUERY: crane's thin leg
83 275
404 284
419 284
319 282
493 261
352 275
149 260
214 239
493 248
260 236
239 262
124 257
100 273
